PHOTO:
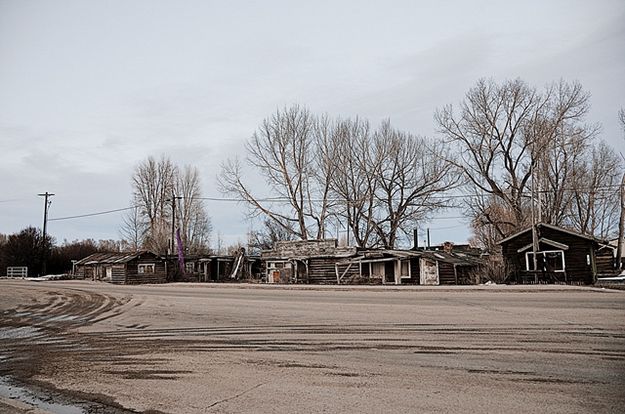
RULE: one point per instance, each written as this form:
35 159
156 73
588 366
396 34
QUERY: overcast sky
90 88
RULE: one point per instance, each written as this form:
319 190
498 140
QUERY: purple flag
180 254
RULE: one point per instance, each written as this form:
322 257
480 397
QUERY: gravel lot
198 348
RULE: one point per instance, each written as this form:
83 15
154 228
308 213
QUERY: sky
88 89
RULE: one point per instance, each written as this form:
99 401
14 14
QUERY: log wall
579 259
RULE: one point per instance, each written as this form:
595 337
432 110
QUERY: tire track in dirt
44 338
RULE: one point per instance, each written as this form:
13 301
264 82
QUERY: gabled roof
552 227
111 258
546 241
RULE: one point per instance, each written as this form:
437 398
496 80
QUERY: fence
17 271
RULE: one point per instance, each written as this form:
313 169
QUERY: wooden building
323 262
224 268
303 261
415 267
563 256
123 268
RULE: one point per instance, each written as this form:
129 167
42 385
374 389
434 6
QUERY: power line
92 214
283 199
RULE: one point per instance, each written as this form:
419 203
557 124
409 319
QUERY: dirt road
211 348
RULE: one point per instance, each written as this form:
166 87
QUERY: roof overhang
546 241
552 227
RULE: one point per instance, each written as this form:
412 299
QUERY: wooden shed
563 256
304 261
123 268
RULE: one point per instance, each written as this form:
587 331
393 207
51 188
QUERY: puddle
22 394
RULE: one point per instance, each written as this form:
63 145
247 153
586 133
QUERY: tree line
507 153
380 181
29 248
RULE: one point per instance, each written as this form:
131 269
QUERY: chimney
415 243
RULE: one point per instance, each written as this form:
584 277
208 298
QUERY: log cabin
123 268
323 262
563 256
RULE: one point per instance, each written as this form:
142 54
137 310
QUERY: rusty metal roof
111 258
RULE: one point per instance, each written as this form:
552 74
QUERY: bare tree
595 204
265 238
356 166
149 224
283 151
191 218
502 133
133 228
153 185
413 178
380 183
563 140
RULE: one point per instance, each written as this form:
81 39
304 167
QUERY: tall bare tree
191 217
380 183
413 178
563 140
595 203
153 185
284 151
502 133
356 167
149 225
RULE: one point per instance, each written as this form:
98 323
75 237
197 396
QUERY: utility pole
535 245
46 205
173 222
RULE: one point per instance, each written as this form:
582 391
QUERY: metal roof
111 258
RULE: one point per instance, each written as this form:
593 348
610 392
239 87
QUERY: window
146 268
547 261
189 267
278 265
405 269
378 269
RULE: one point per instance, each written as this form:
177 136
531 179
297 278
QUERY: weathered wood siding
305 248
119 274
321 271
351 274
579 258
446 275
606 261
133 277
